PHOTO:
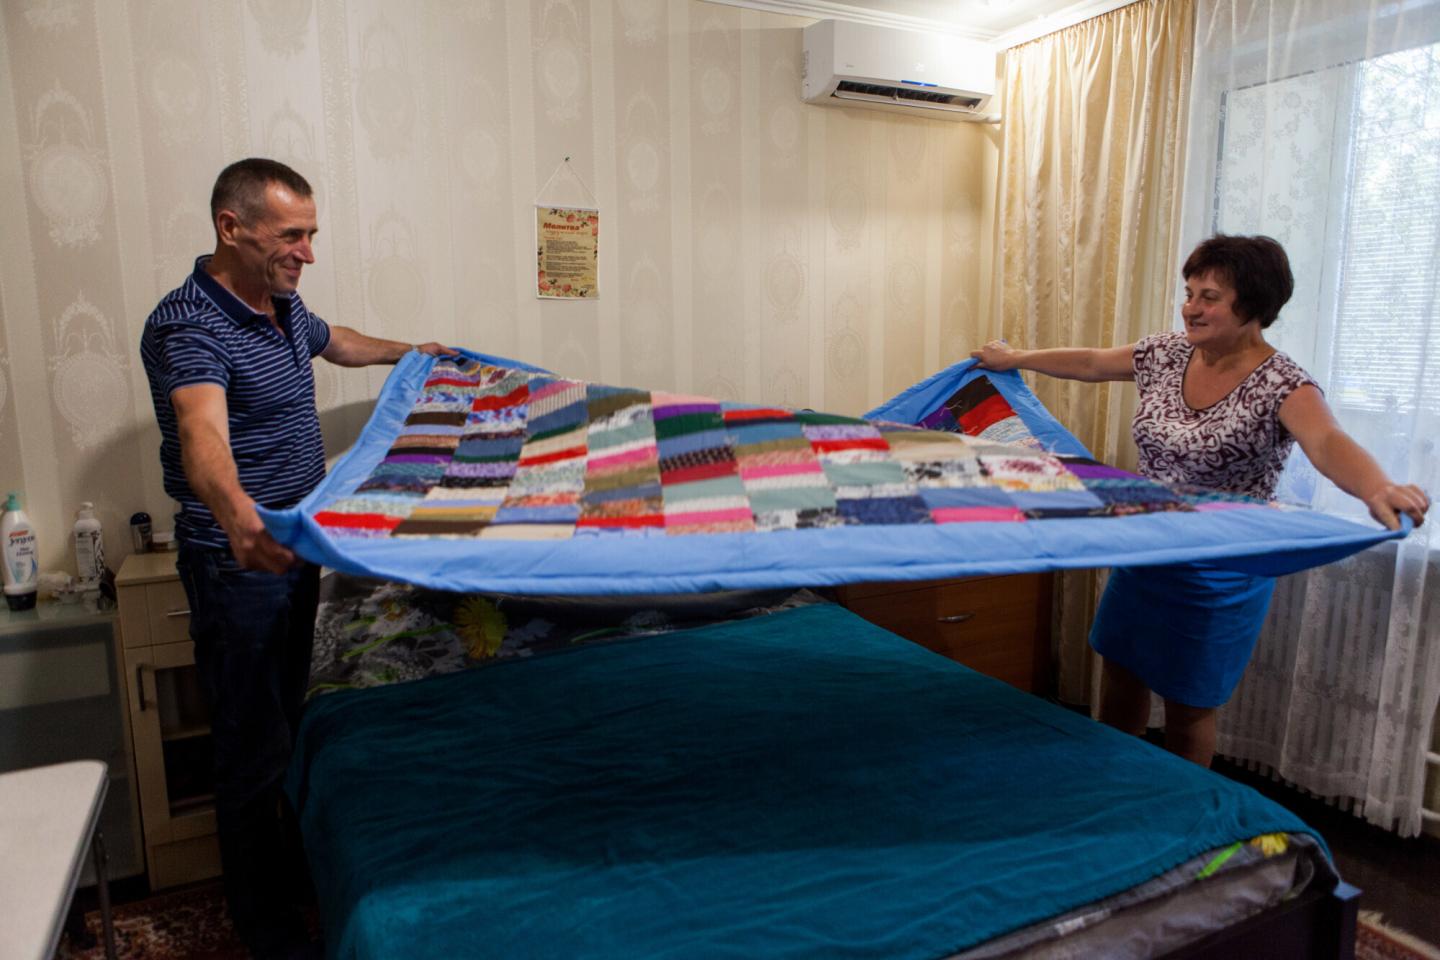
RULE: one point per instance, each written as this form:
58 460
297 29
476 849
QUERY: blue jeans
253 634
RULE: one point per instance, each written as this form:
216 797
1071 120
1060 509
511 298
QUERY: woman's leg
1190 731
1124 700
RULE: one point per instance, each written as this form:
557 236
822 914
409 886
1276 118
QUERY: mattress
797 783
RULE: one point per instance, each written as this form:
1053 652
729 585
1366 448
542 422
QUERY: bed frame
1317 925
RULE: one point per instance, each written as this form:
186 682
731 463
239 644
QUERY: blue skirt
1186 631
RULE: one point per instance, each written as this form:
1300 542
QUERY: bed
754 774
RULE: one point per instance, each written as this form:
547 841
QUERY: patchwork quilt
478 473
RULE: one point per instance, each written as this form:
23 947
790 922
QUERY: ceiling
1002 22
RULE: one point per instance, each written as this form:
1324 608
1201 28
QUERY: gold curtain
1090 170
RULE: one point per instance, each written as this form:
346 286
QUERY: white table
48 817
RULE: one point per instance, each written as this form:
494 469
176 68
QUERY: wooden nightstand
169 723
999 626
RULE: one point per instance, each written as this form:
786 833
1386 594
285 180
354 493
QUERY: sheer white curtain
1318 122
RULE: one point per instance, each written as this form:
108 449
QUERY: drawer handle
956 618
177 613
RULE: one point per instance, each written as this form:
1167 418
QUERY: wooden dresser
169 723
999 626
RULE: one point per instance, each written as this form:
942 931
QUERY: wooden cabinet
999 626
169 723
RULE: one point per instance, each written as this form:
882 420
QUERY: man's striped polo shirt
203 333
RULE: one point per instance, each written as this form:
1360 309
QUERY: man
228 357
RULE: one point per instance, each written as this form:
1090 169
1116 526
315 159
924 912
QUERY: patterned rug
1375 940
186 925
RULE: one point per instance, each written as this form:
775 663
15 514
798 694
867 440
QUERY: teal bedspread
801 784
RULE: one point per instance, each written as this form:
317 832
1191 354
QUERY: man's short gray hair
240 187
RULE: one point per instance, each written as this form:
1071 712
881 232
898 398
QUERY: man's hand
253 546
1393 499
436 349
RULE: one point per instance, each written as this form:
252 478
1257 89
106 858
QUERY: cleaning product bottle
89 545
21 560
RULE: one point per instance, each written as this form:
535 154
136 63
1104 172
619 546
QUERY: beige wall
753 246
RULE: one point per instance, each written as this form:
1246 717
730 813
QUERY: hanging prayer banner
567 250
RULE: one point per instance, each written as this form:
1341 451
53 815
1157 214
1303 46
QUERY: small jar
141 535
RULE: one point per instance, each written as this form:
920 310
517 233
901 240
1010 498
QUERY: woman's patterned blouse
1237 444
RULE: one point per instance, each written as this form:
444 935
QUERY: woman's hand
1393 499
998 355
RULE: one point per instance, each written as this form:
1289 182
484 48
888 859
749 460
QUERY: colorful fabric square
978 409
932 459
1039 484
417 460
372 515
1011 430
779 469
970 410
1201 498
971 505
479 467
543 499
1122 492
870 486
1027 472
622 470
701 489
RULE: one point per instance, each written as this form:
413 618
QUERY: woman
1219 408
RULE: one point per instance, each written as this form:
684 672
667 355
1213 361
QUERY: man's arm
1069 363
202 416
351 348
1345 463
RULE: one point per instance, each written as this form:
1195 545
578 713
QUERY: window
1342 165
1385 333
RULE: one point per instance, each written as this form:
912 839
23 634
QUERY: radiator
1309 707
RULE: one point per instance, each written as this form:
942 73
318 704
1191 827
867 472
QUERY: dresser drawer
999 626
154 613
169 612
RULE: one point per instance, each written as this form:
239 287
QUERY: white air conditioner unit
929 74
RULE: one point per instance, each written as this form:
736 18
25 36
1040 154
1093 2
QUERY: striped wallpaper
752 246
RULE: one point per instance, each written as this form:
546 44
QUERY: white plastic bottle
21 556
89 545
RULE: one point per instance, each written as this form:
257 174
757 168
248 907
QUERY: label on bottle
21 562
89 555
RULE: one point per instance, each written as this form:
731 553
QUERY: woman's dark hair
241 187
1255 266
